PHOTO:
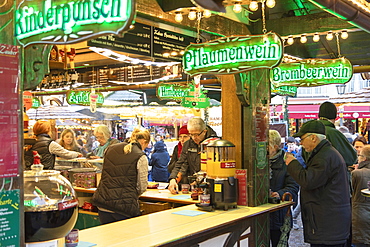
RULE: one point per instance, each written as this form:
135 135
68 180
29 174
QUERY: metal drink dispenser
221 162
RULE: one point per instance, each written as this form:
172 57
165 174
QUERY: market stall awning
55 112
361 96
98 115
69 124
312 111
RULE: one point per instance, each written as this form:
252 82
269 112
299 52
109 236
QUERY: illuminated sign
194 99
312 72
83 98
284 90
172 92
36 103
233 54
65 22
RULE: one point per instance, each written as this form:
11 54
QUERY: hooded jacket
360 204
117 190
189 161
159 161
325 199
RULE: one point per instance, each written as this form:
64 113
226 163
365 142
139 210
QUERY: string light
207 13
270 3
330 36
253 6
290 40
237 7
316 37
178 17
344 34
192 15
303 39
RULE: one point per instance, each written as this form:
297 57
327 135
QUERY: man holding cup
325 199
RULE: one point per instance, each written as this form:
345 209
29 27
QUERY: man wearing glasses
189 162
325 199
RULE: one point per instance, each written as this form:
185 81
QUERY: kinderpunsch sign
233 54
71 21
312 72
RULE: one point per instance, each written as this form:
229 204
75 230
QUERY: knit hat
313 126
328 110
291 139
184 130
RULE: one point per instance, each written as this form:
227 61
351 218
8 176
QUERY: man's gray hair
196 123
319 136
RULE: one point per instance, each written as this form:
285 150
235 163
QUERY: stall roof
55 112
98 115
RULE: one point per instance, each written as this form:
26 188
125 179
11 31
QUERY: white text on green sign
83 98
233 54
172 92
63 21
312 72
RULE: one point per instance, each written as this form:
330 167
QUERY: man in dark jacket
189 162
325 199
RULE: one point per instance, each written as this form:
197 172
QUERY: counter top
155 195
168 228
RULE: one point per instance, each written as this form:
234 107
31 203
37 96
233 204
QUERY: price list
9 106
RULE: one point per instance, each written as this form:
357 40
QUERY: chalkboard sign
9 218
146 40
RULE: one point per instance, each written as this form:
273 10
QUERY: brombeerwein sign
312 72
66 21
233 54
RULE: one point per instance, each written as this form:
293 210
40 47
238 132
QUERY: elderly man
325 199
189 162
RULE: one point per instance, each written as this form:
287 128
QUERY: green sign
172 92
284 90
312 72
261 154
9 218
194 100
233 54
35 103
83 98
66 22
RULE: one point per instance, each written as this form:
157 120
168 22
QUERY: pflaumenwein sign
233 54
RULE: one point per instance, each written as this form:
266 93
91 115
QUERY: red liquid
48 225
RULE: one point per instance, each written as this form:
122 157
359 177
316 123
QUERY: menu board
146 40
9 218
9 106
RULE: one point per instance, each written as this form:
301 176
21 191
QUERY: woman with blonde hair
124 178
46 147
69 142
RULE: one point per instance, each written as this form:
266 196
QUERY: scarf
179 149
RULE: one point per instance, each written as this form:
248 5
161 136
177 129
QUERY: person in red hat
183 137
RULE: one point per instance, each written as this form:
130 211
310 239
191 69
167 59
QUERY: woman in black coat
280 182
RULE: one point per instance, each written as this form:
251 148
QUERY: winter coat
117 190
360 204
281 182
174 158
159 162
325 199
189 161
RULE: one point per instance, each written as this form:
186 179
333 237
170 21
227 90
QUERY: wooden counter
154 195
168 229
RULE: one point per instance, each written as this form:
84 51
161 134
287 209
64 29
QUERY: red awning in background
312 111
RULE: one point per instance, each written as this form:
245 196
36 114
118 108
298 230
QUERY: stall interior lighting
329 35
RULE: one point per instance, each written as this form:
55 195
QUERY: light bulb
290 40
330 36
270 3
192 15
207 13
166 54
173 53
253 6
303 39
344 34
316 37
178 17
237 8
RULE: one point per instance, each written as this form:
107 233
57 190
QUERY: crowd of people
321 166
